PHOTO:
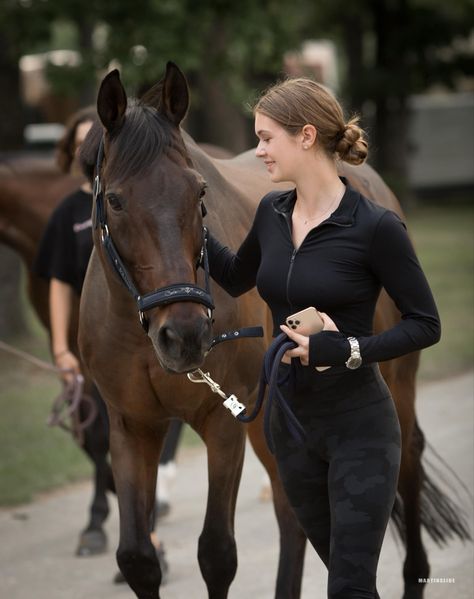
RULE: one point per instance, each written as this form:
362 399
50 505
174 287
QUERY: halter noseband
177 292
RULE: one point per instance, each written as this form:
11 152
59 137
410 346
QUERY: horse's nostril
168 337
183 344
171 335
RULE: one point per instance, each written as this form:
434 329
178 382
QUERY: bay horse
150 178
30 189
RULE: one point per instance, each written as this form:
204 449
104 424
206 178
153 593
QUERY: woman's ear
308 136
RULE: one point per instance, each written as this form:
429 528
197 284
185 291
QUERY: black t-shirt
339 268
66 245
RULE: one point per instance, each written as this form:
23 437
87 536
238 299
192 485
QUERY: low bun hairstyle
295 103
352 147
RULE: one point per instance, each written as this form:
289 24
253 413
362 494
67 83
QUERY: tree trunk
88 91
391 114
352 39
12 121
12 321
217 120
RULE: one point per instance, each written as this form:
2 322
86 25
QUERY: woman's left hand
302 351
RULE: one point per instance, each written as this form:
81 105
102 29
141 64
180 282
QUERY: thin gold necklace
309 219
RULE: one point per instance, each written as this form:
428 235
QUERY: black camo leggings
342 481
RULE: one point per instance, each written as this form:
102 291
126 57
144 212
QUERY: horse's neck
27 199
235 185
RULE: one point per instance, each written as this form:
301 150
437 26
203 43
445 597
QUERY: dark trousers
342 481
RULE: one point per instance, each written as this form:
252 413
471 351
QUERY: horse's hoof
119 578
92 542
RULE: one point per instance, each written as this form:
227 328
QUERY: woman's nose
259 150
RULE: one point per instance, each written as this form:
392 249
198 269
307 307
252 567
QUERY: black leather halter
178 292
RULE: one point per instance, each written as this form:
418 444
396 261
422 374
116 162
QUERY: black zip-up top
339 268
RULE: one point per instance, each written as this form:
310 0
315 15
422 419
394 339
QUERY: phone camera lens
293 326
297 322
290 322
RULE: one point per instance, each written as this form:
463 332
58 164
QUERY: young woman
67 244
323 244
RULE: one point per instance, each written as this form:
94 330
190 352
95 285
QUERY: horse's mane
143 136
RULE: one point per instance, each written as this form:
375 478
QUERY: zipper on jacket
295 250
288 276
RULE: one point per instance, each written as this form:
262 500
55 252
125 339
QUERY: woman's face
81 131
280 151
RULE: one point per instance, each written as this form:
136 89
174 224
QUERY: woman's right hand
329 324
66 360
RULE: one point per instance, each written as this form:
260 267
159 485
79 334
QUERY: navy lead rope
269 377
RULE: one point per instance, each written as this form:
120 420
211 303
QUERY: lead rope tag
231 402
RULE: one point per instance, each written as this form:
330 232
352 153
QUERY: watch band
355 359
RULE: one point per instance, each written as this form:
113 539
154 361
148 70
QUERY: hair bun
352 147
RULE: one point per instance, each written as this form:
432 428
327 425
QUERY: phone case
306 322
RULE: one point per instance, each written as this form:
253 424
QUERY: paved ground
38 540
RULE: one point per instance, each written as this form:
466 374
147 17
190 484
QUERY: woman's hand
66 360
302 351
329 324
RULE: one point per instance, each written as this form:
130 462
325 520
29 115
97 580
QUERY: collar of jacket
343 216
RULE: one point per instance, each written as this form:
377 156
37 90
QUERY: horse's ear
175 94
111 101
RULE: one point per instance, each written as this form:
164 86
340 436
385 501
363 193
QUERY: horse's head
151 198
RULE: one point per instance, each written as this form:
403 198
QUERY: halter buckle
96 189
143 320
104 232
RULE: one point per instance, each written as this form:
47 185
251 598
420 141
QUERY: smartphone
306 322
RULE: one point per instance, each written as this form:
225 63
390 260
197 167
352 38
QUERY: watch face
353 363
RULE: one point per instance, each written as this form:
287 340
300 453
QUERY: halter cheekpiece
177 292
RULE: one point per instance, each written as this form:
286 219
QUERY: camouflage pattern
342 481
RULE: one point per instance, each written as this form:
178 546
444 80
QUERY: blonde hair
295 103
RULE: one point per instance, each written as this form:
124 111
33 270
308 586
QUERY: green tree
229 50
393 49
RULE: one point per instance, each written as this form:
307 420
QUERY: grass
35 458
444 240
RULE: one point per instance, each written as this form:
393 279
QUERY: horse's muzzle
181 345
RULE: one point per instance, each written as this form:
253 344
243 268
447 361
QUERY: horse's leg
167 468
217 551
135 449
93 539
292 538
410 481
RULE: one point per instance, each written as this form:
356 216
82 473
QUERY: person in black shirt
66 245
323 244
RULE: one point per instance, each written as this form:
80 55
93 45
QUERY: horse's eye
202 192
114 201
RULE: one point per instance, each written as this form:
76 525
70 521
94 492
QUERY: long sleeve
236 273
393 262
